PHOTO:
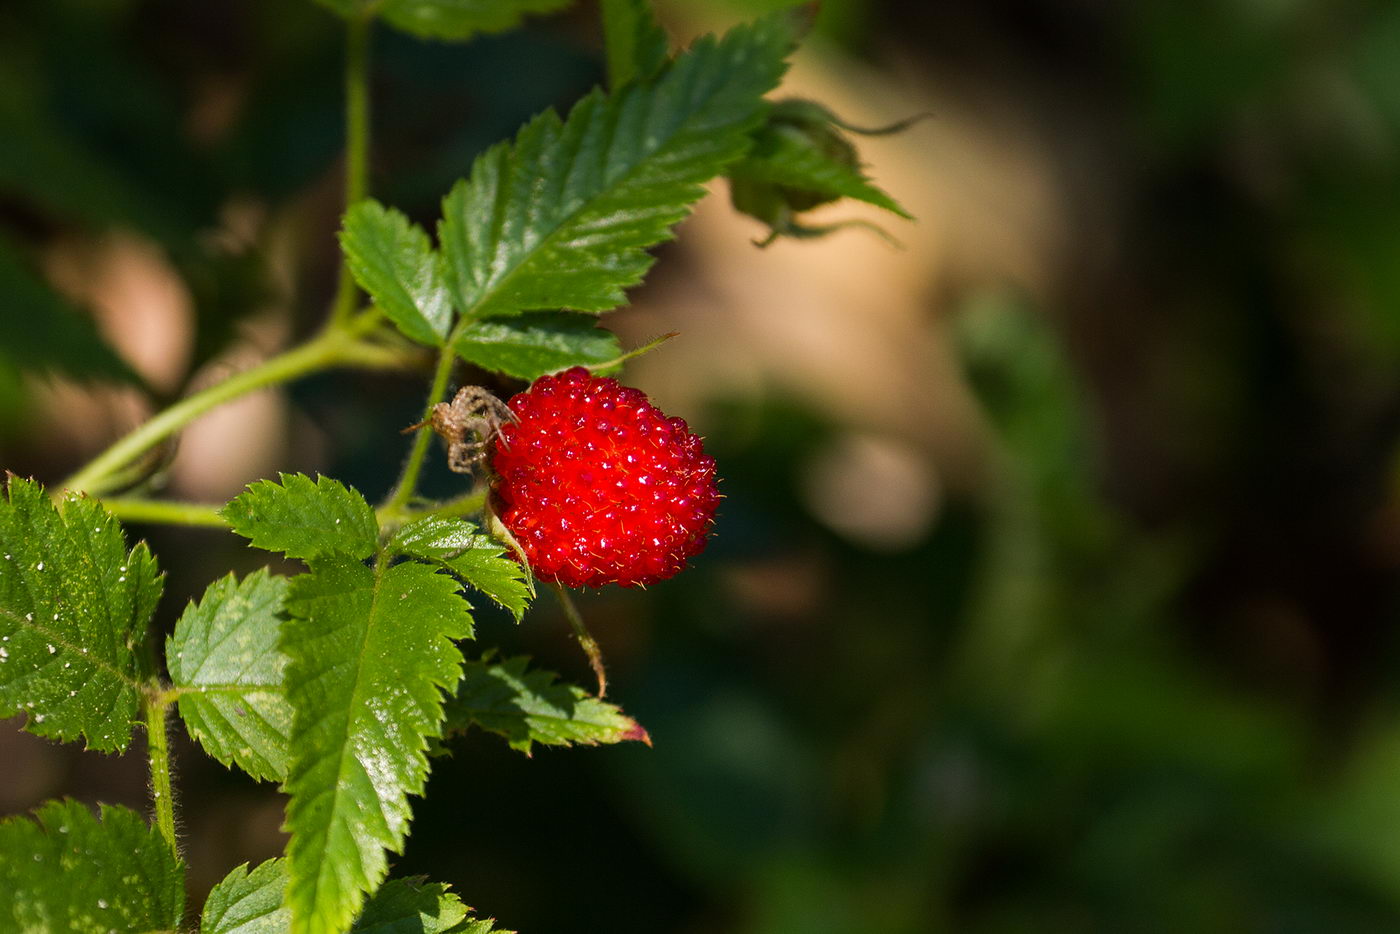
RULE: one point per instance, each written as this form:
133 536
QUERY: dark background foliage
1055 584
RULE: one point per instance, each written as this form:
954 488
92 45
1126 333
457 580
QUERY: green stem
161 512
392 518
158 750
338 343
206 515
461 506
334 346
357 41
585 638
408 481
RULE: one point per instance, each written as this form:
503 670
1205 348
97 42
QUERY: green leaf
404 905
370 652
251 903
535 344
637 46
73 605
223 658
394 262
783 158
71 872
40 331
248 902
528 707
304 518
459 19
560 219
477 559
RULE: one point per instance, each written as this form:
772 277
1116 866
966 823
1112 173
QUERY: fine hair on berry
598 486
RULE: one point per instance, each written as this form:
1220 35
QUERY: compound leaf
69 871
73 604
477 559
532 345
224 661
458 19
528 707
251 903
304 518
561 217
394 262
637 46
371 653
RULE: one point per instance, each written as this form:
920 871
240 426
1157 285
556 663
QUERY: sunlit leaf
74 604
394 261
251 903
477 559
248 902
532 345
223 659
371 652
561 217
68 871
304 518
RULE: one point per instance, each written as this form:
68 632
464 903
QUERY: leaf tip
635 732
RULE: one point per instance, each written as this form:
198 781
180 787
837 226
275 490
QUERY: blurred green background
1055 585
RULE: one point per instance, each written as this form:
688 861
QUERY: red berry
598 486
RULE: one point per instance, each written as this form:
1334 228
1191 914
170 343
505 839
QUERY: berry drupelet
598 486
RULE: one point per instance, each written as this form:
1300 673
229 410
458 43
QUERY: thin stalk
585 638
161 512
332 347
158 751
461 506
206 515
391 519
408 480
357 133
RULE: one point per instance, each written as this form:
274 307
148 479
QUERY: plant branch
357 134
163 512
206 515
158 751
391 518
333 347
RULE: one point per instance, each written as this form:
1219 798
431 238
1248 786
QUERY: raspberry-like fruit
598 486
